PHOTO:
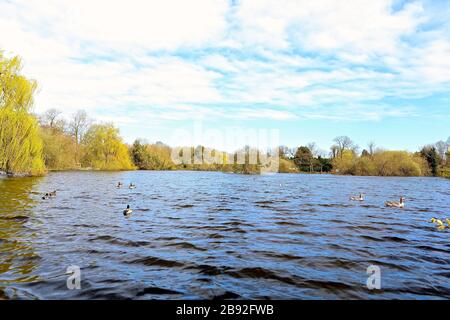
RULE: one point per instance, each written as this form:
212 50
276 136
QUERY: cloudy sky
371 69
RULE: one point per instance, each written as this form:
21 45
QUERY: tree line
345 157
33 144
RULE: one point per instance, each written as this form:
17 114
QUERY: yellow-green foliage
16 91
105 149
20 143
287 166
396 163
60 150
364 166
445 172
159 157
345 162
381 163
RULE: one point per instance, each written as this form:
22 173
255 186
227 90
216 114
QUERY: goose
396 204
357 198
127 211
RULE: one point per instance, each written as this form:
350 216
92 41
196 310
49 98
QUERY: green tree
303 158
345 163
344 143
397 163
430 154
20 143
139 154
105 149
60 149
324 164
364 166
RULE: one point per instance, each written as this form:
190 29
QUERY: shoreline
225 172
4 174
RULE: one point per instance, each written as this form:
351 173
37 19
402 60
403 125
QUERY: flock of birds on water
393 204
401 204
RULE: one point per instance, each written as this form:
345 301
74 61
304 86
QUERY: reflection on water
196 235
17 256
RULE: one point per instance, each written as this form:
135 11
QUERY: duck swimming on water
400 204
127 211
132 186
49 195
357 198
119 185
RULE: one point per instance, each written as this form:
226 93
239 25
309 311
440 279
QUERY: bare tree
371 146
283 152
78 125
334 151
321 153
344 143
314 152
441 148
50 117
313 148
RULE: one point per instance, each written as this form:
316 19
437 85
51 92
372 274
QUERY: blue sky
373 70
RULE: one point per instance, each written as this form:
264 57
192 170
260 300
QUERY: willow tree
105 149
20 144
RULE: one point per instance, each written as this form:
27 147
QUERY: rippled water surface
204 235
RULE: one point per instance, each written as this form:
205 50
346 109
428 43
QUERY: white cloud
354 25
258 59
149 24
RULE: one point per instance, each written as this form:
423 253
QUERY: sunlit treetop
16 91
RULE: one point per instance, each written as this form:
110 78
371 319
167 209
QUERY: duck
46 196
119 185
357 198
448 222
127 211
52 194
441 227
132 186
400 204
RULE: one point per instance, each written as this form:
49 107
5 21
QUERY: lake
205 235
